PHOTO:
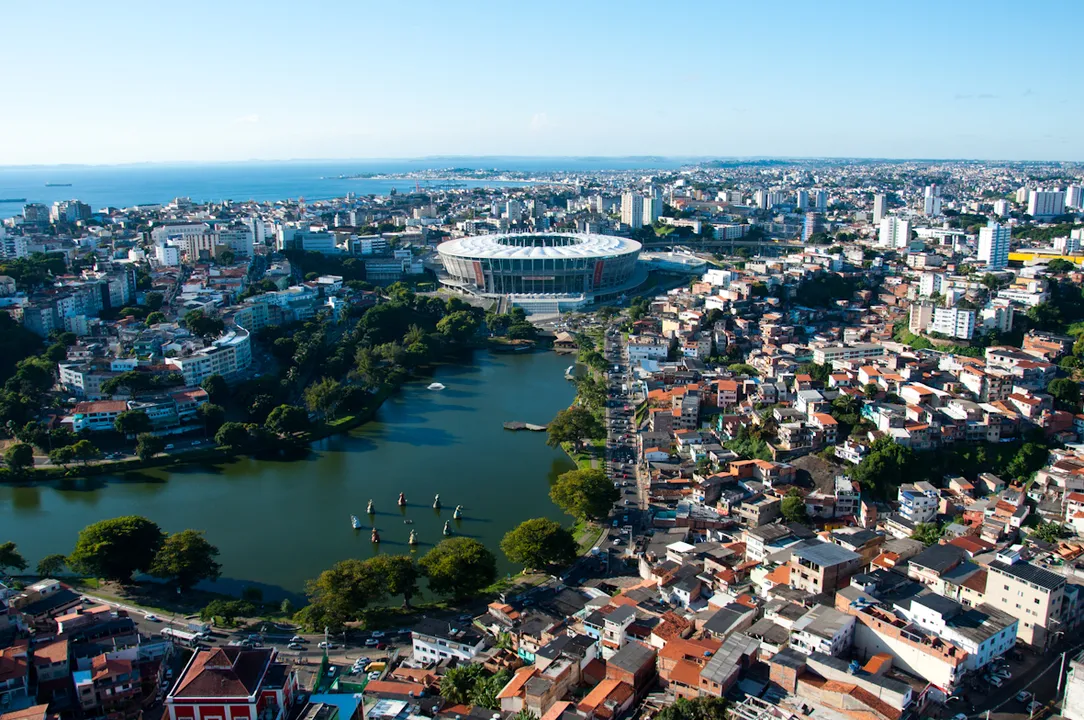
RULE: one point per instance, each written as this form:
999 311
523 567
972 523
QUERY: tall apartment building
801 200
227 356
1046 203
931 283
953 322
994 245
652 209
1032 594
632 210
880 207
812 225
35 213
1074 196
69 211
895 233
931 201
1001 208
821 201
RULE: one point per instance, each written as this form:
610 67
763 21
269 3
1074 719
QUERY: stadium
543 272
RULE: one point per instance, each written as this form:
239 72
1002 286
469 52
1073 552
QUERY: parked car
1034 706
296 646
995 681
297 639
377 633
371 642
325 645
152 617
1023 696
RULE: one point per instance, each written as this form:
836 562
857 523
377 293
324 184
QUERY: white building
880 207
823 629
953 322
931 201
1074 196
228 356
1001 208
632 210
801 200
167 255
895 233
994 245
822 201
931 284
1070 245
437 640
918 501
1046 203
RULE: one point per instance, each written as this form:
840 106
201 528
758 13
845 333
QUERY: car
1023 696
297 639
371 642
959 716
995 681
169 447
374 675
462 618
404 631
377 633
295 646
1002 673
150 617
1034 706
325 645
381 646
196 442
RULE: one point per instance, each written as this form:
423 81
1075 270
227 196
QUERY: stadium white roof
518 245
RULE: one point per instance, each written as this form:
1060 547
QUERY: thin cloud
251 119
539 121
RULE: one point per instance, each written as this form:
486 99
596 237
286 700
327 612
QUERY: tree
213 416
132 422
458 683
885 468
154 300
324 396
927 533
19 457
524 714
233 435
793 507
216 387
62 455
185 558
52 565
1058 266
286 607
10 557
226 610
1049 532
1066 393
458 326
114 549
539 543
287 420
701 708
148 445
486 689
85 451
574 424
155 318
203 325
341 593
870 390
584 493
459 566
399 573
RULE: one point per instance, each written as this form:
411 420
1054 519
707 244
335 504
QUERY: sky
231 80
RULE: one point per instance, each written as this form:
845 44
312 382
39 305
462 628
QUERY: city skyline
242 82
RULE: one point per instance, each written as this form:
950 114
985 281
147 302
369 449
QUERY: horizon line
431 158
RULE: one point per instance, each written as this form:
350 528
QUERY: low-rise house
436 640
823 630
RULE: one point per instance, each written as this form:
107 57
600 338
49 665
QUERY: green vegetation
472 685
825 289
459 567
749 443
574 425
539 543
928 533
1066 394
10 557
701 708
115 549
1050 532
793 507
584 494
1044 234
52 565
184 559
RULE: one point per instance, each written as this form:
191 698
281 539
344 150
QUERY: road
620 453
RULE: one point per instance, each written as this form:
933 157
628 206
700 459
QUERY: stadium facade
542 271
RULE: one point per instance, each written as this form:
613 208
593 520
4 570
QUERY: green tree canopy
1050 532
793 507
459 326
185 558
287 420
584 493
204 325
10 557
458 683
132 422
539 543
19 457
459 566
574 424
399 573
324 396
216 387
52 565
341 593
1066 393
147 446
927 533
885 468
85 451
233 435
116 548
701 708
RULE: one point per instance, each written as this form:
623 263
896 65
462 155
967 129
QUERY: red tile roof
223 673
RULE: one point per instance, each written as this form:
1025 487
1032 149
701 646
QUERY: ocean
125 185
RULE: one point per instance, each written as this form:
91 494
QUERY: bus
181 637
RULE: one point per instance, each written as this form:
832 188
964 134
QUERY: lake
278 524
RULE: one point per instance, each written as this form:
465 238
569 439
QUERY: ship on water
12 200
58 184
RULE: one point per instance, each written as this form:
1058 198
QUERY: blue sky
113 81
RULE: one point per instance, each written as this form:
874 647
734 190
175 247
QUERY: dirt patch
816 472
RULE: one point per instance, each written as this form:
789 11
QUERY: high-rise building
632 210
1022 194
931 201
513 210
763 199
812 225
1069 245
1074 196
1046 203
1001 208
822 201
801 200
652 210
931 283
994 245
69 211
35 213
880 207
895 233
